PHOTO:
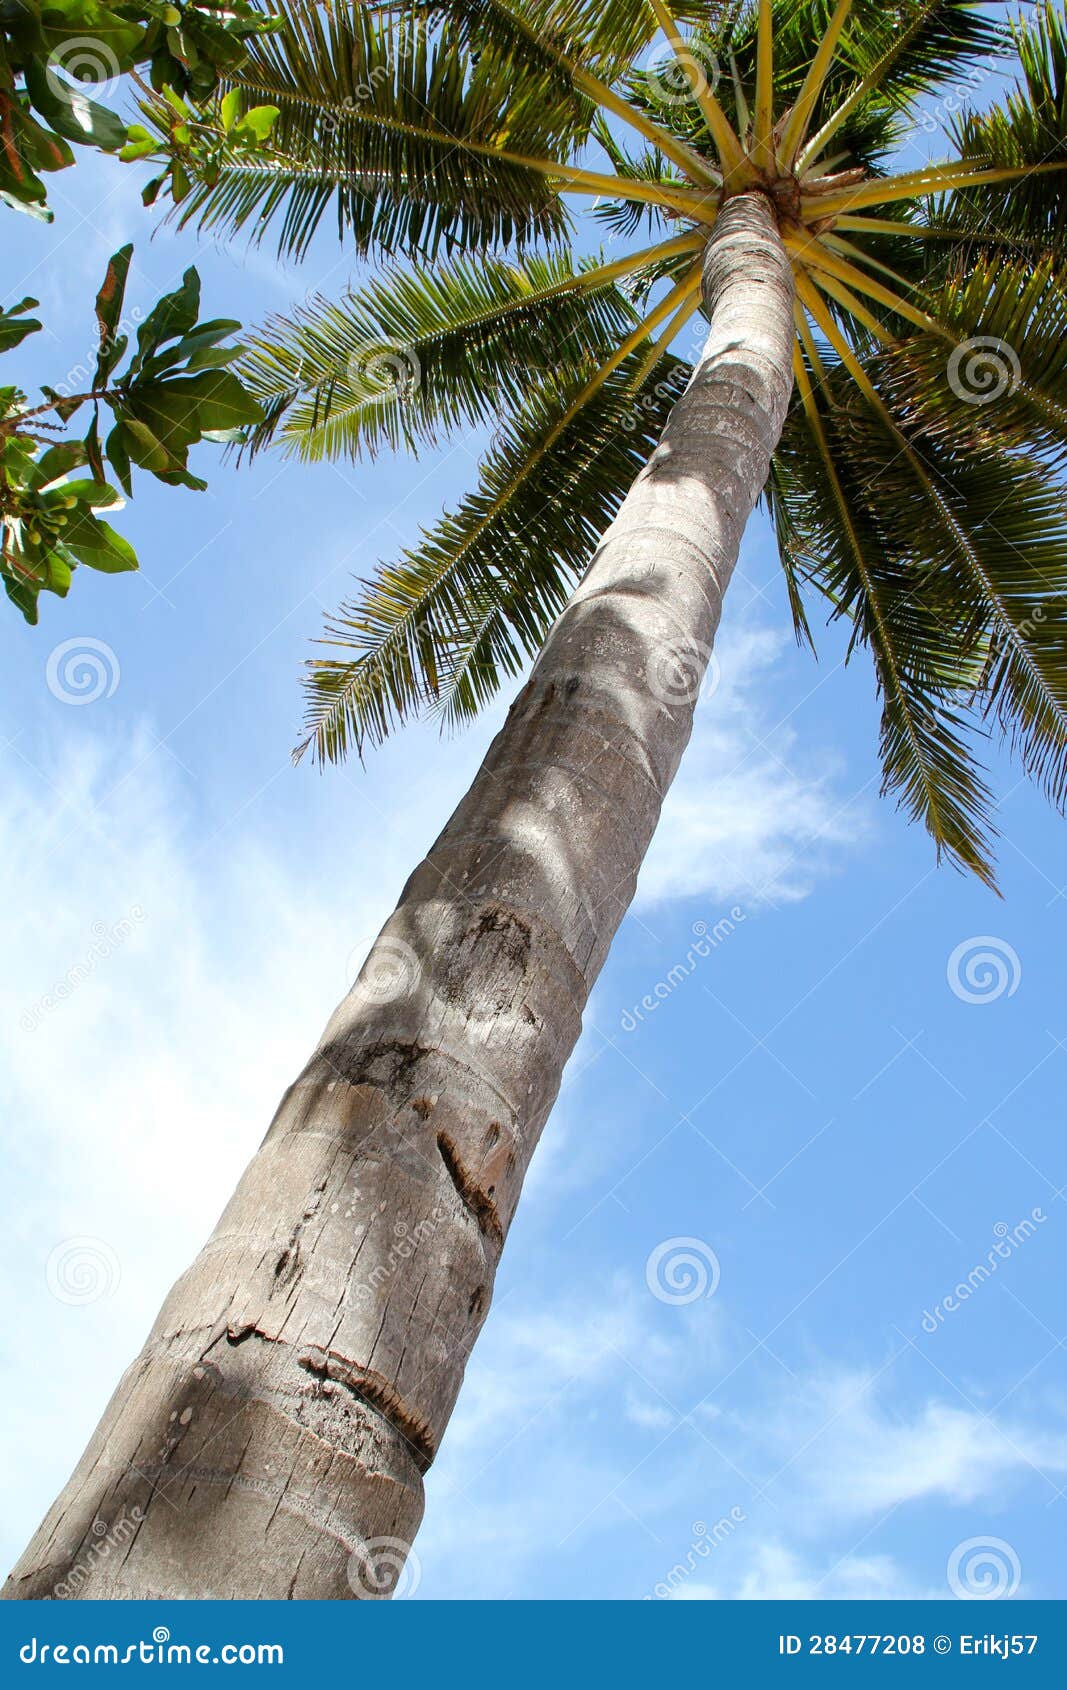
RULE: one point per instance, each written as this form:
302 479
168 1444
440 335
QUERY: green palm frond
582 49
419 353
393 130
600 37
892 57
464 610
990 535
836 536
980 534
1002 378
1027 128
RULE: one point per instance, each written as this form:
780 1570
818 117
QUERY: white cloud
777 1572
649 1412
755 813
838 1444
529 1473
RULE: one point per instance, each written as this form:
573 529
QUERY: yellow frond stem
887 226
675 326
763 133
731 154
814 254
796 124
872 80
816 308
915 184
744 116
701 207
856 307
856 255
605 273
695 167
800 317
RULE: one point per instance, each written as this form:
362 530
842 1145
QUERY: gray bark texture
270 1439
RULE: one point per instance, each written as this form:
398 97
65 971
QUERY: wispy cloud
755 813
776 1572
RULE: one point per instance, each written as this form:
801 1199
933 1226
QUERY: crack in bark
479 1202
369 1389
376 1393
289 1264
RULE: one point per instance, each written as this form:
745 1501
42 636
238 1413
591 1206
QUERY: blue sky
840 1119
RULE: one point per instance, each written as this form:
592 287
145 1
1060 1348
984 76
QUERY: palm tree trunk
271 1437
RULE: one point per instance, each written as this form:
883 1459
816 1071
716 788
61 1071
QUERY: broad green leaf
171 316
57 461
95 543
108 311
118 456
71 112
94 495
14 326
258 122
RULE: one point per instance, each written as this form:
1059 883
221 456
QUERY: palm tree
270 1439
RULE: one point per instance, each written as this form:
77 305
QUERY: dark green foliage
51 53
174 391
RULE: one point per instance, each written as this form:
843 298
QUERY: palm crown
915 487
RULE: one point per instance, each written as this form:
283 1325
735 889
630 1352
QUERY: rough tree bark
271 1437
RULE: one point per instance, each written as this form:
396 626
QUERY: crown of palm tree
915 487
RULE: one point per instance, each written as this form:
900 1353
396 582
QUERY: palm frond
894 56
601 37
420 352
581 48
1007 577
1028 129
444 626
623 218
398 130
1002 378
840 539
